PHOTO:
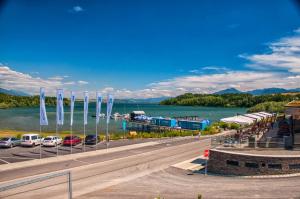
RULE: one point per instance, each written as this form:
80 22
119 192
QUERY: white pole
107 138
96 135
71 129
206 166
40 142
56 142
84 137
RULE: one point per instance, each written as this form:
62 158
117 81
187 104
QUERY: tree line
228 100
11 101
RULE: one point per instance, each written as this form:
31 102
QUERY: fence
9 186
251 142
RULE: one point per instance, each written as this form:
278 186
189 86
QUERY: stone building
292 112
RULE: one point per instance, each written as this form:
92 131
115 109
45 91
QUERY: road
145 172
93 173
18 154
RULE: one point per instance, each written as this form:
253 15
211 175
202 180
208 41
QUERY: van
31 140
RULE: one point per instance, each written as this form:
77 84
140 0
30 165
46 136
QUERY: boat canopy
260 114
245 119
238 119
265 113
138 112
250 115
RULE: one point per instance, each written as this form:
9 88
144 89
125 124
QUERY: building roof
138 112
294 103
238 119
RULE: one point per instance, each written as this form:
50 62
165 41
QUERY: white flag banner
59 107
98 107
43 113
86 107
110 101
72 107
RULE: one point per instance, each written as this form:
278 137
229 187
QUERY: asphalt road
18 154
173 183
93 173
145 173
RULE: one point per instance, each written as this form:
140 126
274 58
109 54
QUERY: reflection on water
27 119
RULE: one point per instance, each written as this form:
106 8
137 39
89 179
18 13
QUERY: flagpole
43 116
83 137
71 138
96 135
40 142
56 141
107 137
71 118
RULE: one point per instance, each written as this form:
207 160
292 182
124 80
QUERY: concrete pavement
89 176
146 172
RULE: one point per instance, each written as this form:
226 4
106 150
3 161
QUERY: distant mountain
294 90
228 91
13 92
265 91
147 100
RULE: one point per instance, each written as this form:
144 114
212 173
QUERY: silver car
9 142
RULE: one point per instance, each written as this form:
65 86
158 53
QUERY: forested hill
228 100
10 101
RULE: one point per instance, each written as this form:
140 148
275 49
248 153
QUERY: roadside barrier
20 183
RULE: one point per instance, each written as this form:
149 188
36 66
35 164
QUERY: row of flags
60 107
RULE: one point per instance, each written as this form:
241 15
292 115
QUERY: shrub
19 136
235 126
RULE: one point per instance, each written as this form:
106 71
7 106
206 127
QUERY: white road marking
4 161
17 158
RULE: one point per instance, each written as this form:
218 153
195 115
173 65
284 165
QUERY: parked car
51 141
91 139
72 140
9 142
31 140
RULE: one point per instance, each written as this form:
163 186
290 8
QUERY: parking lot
19 153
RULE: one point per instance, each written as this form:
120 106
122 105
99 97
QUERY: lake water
27 119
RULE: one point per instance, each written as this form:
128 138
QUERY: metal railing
246 142
8 186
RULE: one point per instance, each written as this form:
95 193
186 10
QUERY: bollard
70 185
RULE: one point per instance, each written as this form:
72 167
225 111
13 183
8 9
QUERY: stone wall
233 163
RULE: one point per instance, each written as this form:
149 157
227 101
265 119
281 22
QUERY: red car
72 140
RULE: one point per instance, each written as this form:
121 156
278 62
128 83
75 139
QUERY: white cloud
297 30
210 68
58 78
10 79
194 71
77 9
284 55
81 82
243 80
70 83
216 68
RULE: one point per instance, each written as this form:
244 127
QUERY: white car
51 141
31 140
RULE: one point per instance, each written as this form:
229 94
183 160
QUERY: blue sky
139 48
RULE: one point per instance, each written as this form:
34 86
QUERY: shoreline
113 136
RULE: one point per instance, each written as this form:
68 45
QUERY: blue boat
159 121
193 125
